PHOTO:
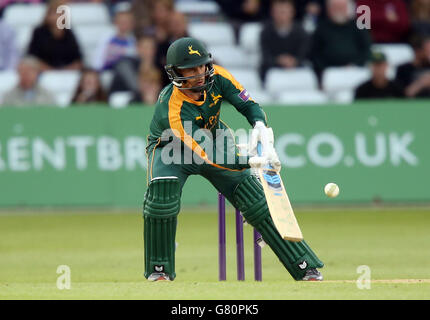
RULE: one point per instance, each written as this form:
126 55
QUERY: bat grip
259 149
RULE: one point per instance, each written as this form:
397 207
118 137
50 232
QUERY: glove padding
260 133
268 156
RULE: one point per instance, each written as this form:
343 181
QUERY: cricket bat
279 205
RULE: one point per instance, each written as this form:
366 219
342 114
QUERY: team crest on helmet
191 51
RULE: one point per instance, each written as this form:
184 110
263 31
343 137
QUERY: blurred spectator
149 86
122 44
315 7
415 76
420 16
379 86
309 12
389 20
337 41
89 89
284 43
55 48
161 13
245 10
242 11
9 54
177 28
142 16
126 72
28 92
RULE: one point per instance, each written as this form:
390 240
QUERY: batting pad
160 210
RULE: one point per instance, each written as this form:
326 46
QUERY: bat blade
279 205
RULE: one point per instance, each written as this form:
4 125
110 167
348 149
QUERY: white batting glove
268 154
273 159
260 133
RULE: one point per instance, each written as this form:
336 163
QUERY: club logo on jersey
215 99
191 51
244 95
159 268
303 265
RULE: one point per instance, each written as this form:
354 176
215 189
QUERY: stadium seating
261 97
397 54
8 80
342 81
95 14
23 38
212 34
248 78
89 38
193 7
62 84
23 18
308 97
299 79
233 57
249 37
342 96
91 22
106 78
120 99
24 15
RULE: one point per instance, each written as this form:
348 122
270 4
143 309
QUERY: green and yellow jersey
174 108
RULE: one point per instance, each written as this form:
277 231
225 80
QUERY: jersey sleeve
238 96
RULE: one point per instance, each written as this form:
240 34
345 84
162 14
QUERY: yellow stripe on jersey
224 73
175 106
227 75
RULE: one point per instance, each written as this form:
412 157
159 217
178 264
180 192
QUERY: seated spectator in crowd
389 20
239 12
126 72
153 17
56 48
89 89
420 16
303 7
28 92
177 28
9 54
283 43
161 13
337 41
149 86
379 86
309 12
122 44
142 16
415 76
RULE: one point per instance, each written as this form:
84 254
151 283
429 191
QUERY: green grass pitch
104 251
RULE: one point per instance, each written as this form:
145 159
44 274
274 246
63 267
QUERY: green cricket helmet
188 53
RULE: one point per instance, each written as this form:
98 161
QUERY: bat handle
259 148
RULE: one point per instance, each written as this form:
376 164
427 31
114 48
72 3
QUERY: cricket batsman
191 104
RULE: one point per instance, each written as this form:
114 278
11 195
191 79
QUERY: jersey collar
184 97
